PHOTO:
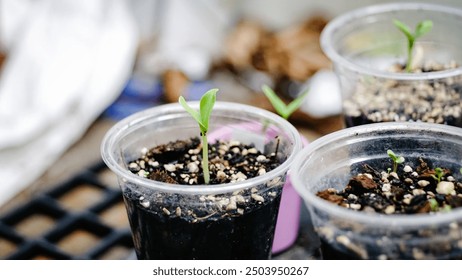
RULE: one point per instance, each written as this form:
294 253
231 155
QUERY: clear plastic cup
170 221
364 45
330 161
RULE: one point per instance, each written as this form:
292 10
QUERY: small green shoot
281 108
422 28
433 205
202 118
438 174
396 159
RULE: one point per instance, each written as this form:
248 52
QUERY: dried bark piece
162 176
330 196
362 183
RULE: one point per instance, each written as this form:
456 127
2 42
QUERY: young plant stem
205 158
409 56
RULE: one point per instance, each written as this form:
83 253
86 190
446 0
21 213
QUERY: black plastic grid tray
81 218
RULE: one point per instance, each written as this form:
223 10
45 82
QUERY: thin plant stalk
205 157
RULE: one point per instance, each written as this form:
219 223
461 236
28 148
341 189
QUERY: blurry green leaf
191 111
296 103
277 103
206 106
404 28
423 28
281 108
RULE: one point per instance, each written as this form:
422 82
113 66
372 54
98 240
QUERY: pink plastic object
288 221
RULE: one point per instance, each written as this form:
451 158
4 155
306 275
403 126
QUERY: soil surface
435 101
180 162
410 190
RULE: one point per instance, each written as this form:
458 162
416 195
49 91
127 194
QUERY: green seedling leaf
404 28
391 154
195 114
296 103
433 204
206 106
277 103
400 159
394 157
281 108
422 28
205 109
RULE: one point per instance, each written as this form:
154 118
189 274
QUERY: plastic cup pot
216 221
369 55
345 233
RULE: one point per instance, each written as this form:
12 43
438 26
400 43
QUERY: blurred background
70 69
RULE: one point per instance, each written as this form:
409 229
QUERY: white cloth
66 62
191 36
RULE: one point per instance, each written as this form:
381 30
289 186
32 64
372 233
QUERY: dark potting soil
417 188
216 226
218 236
436 101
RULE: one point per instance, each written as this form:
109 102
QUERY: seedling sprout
396 159
281 108
422 28
438 174
433 204
202 118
